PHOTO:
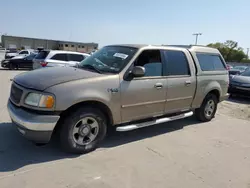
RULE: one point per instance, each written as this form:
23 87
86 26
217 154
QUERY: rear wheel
83 130
208 108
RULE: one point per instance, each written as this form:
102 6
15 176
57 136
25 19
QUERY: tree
229 50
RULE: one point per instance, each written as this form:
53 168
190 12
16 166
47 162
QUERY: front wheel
11 66
83 130
208 108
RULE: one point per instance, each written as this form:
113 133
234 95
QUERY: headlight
40 100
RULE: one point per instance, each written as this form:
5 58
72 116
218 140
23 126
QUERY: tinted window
24 52
151 61
177 63
42 55
60 57
31 56
242 68
76 57
210 62
246 73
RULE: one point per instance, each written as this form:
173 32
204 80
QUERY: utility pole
247 52
196 37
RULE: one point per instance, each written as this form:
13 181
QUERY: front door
144 97
181 80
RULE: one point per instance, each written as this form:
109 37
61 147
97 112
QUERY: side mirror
138 71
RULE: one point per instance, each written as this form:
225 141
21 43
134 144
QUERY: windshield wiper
90 67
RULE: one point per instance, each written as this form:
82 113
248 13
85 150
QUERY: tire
74 128
11 66
202 113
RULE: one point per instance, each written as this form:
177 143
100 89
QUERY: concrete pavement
181 154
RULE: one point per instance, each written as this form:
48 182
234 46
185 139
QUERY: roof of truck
196 48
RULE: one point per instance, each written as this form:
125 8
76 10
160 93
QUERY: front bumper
35 127
237 90
4 63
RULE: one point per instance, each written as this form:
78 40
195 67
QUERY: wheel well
94 104
216 93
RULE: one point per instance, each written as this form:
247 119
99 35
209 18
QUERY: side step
154 122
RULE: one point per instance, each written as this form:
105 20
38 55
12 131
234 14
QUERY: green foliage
230 51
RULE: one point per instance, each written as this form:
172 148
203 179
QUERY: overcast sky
129 21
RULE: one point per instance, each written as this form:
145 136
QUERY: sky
128 21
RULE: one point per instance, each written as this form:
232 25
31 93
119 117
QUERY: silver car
57 58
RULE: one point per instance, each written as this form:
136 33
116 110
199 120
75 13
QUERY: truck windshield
111 59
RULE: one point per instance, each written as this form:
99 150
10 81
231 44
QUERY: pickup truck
122 86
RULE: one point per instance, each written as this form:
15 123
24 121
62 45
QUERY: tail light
44 64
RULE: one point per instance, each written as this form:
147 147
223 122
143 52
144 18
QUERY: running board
154 122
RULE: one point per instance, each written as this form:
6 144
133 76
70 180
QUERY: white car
13 53
57 58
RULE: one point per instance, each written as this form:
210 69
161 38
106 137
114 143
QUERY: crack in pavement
156 152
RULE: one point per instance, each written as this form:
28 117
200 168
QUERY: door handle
187 83
158 86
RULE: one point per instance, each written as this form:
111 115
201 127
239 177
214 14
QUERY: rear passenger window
177 64
76 57
210 62
60 57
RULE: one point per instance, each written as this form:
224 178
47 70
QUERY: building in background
35 43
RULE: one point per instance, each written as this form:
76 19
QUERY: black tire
11 66
68 143
200 112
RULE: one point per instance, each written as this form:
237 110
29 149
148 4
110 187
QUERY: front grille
15 94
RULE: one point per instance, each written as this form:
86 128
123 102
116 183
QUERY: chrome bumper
32 121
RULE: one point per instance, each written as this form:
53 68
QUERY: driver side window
151 61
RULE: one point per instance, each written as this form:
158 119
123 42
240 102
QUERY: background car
240 84
13 53
57 58
19 62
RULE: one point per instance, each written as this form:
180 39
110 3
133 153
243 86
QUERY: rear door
75 59
181 80
58 60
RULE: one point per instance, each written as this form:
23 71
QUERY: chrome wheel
209 108
85 130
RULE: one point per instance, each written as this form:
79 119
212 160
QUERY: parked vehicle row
45 58
126 86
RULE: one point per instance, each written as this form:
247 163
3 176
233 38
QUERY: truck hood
43 78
